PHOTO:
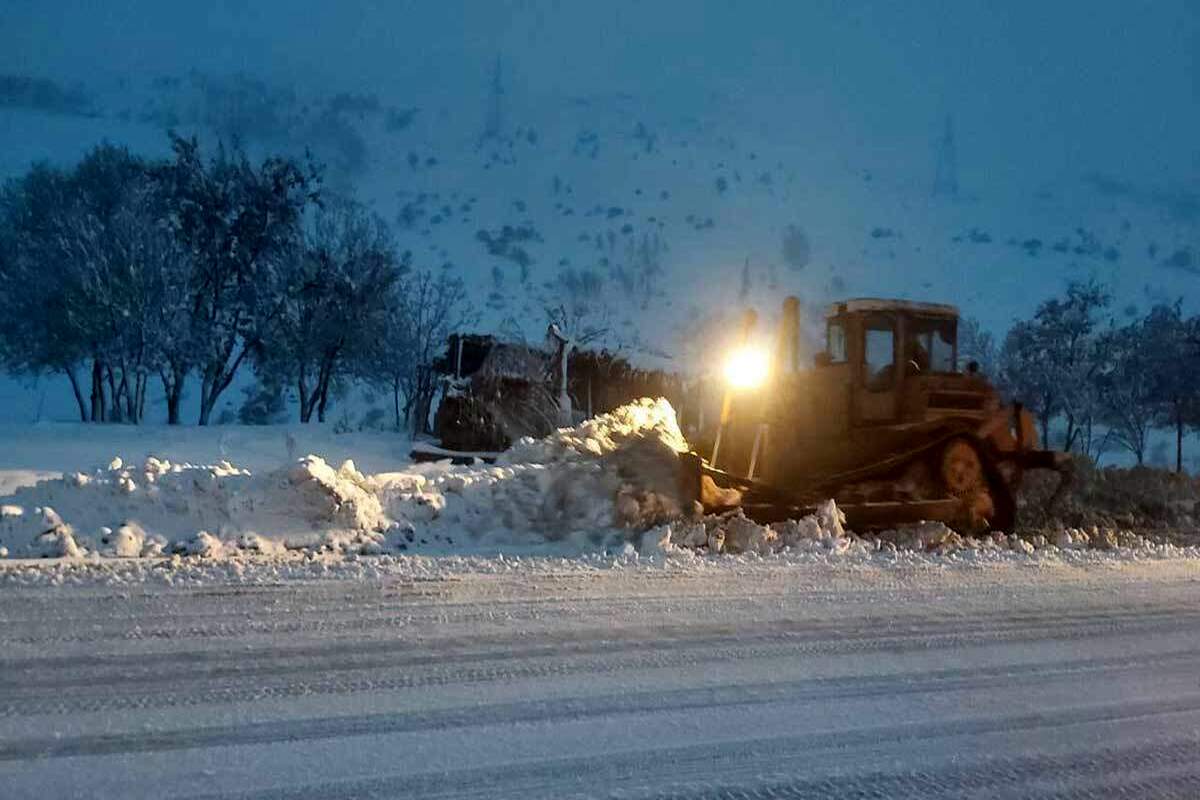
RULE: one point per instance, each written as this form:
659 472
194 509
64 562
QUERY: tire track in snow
576 708
273 681
711 771
1109 772
24 672
323 621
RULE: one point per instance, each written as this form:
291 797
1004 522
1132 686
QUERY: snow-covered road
724 680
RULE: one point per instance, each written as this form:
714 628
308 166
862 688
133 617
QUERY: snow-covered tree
421 311
1172 348
978 345
85 272
1049 363
1125 386
240 224
37 333
335 295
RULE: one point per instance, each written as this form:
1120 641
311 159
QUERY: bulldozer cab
887 349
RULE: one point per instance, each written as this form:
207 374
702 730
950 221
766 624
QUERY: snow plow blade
719 491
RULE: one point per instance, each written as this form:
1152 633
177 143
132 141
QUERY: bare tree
978 345
421 312
36 281
1173 352
1125 387
240 224
1050 362
333 298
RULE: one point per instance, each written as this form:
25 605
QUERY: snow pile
160 507
734 533
593 486
610 485
824 534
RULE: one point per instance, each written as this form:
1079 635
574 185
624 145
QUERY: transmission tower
493 122
945 177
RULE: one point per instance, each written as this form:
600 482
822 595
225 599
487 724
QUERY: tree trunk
217 377
205 399
396 401
1069 438
322 402
83 409
114 399
170 390
98 410
409 415
173 379
128 390
1178 444
131 395
143 380
423 402
323 381
302 388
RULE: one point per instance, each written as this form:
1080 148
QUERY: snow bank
825 533
610 485
592 486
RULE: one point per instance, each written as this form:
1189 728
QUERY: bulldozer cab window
930 345
835 343
879 355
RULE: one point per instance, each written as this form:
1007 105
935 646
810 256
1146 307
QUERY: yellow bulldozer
883 421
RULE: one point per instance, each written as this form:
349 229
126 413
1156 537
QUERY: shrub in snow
1137 498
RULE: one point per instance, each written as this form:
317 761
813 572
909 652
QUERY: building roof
859 304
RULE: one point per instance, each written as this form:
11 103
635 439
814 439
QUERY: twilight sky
1036 88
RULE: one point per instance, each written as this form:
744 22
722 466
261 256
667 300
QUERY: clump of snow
205 545
126 541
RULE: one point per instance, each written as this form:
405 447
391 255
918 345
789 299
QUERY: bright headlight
747 368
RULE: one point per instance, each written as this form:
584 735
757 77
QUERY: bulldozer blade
697 484
863 516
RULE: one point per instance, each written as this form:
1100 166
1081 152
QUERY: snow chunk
205 545
745 536
127 541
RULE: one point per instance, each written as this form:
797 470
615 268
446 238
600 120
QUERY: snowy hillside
650 219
